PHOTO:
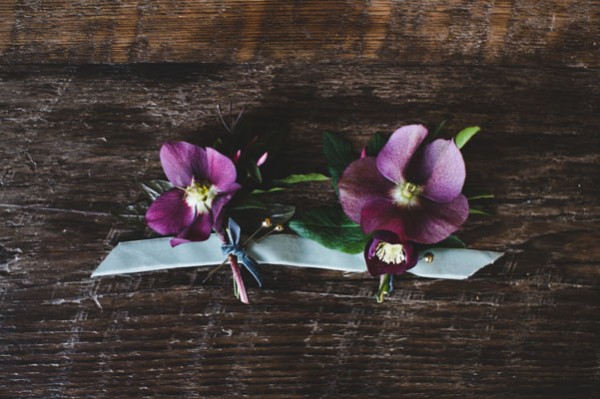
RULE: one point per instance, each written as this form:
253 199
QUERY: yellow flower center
403 193
200 195
390 253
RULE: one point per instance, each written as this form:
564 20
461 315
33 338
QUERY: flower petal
197 231
441 171
424 222
381 215
218 205
378 267
180 161
361 183
219 170
438 220
169 214
412 256
395 156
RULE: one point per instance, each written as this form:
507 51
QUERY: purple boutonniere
204 182
410 193
399 203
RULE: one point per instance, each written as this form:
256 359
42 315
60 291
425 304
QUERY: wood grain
459 32
89 90
76 140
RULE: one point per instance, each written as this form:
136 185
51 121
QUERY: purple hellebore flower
204 181
410 190
386 254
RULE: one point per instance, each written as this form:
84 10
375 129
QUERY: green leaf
438 130
465 135
331 228
248 202
376 144
473 211
133 215
339 155
254 173
449 242
258 191
295 179
154 188
280 213
481 196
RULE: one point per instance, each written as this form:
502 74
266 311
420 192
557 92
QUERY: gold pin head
428 258
279 228
267 223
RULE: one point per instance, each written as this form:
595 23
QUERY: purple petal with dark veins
217 210
169 214
438 220
198 231
378 267
181 160
385 215
412 255
441 171
424 221
220 170
361 183
395 156
175 241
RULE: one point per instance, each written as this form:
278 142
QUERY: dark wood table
89 92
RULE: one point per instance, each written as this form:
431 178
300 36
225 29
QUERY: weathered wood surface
523 32
77 140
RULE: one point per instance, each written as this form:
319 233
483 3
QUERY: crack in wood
36 208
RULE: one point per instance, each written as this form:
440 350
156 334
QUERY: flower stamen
403 193
390 253
200 195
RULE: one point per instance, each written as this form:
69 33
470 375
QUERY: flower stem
386 286
238 284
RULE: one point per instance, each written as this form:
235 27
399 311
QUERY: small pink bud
237 156
262 159
363 153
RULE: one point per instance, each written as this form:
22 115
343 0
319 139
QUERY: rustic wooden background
90 89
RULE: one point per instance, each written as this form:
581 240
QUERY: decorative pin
277 229
428 257
264 225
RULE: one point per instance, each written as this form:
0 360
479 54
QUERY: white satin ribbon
282 249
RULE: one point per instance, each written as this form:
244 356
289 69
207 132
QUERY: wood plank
490 32
76 140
